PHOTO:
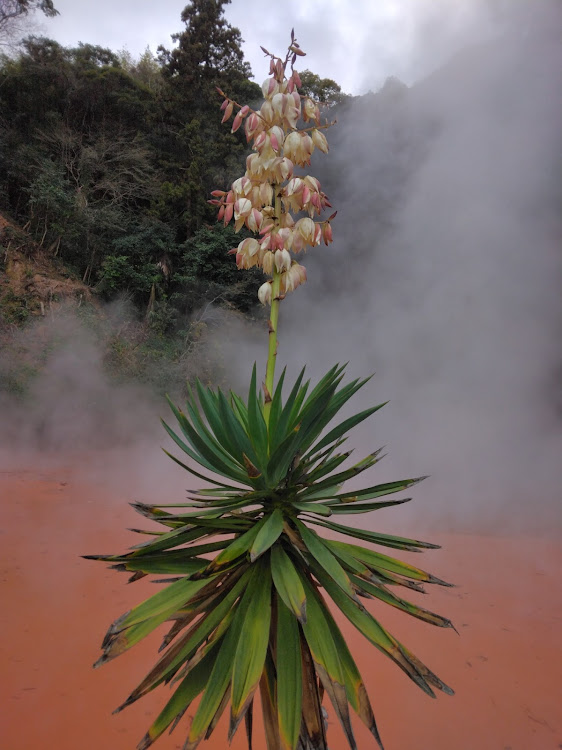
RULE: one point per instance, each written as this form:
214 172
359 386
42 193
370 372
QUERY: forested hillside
106 166
108 162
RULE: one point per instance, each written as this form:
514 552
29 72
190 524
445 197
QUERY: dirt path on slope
506 665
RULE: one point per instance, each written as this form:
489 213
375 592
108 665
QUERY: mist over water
445 279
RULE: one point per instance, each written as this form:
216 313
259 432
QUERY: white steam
447 278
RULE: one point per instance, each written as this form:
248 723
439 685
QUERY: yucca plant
254 584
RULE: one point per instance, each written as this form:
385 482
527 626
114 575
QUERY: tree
200 154
13 11
208 53
146 70
323 90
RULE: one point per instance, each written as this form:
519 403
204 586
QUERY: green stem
273 323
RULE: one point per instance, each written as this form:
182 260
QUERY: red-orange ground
505 666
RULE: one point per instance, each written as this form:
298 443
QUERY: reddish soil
506 664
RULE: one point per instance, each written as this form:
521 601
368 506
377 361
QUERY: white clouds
117 24
358 43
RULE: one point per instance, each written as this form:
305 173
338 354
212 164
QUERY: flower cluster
268 197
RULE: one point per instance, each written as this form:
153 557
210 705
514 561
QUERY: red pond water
506 664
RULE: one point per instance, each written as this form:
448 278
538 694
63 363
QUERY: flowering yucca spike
254 584
283 134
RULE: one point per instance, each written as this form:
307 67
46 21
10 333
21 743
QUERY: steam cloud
445 279
447 276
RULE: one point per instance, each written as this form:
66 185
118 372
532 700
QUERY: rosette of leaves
254 583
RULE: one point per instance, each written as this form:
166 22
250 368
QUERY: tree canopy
324 90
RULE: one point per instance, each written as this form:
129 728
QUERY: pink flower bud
282 260
227 112
285 237
282 169
308 146
287 220
307 230
298 243
260 141
319 140
295 185
293 278
312 182
280 102
291 117
242 207
236 123
327 233
309 110
242 186
254 220
266 194
269 87
299 272
252 164
249 246
264 293
292 145
267 112
286 283
276 137
268 263
245 260
265 243
251 126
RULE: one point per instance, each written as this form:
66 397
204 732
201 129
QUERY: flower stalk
273 323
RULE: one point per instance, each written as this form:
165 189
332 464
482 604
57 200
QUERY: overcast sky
358 43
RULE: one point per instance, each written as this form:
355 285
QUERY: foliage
254 616
207 50
208 55
324 90
184 277
206 267
96 146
